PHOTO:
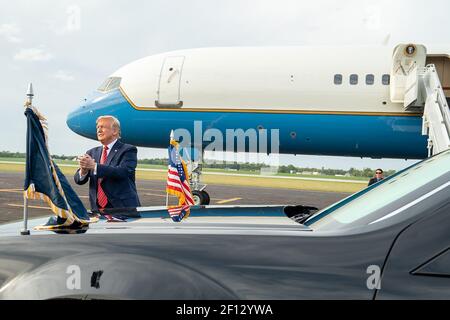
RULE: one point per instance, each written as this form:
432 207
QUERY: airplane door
406 60
169 83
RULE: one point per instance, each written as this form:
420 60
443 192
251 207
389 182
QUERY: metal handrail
442 102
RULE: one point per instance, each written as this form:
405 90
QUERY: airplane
359 101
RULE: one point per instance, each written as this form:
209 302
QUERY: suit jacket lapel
115 148
98 154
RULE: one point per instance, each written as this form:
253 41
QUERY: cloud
10 32
33 54
63 76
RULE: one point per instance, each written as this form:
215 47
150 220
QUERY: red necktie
101 196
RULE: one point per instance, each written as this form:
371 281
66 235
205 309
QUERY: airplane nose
73 121
82 120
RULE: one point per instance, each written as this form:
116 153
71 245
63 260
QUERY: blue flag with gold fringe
45 181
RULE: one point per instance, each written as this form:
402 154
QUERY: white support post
25 231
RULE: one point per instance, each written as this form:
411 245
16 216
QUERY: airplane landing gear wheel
206 198
200 197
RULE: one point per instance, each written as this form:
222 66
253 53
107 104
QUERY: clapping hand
86 163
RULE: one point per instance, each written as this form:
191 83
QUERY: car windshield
363 208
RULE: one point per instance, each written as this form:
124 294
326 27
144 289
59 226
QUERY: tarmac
152 193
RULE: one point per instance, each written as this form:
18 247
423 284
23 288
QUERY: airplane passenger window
386 79
353 79
370 79
338 79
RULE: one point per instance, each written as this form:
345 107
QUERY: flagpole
25 231
167 194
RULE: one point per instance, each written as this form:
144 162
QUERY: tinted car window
358 207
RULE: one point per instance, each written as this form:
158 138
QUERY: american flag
177 179
179 212
111 218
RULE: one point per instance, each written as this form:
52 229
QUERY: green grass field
205 170
256 181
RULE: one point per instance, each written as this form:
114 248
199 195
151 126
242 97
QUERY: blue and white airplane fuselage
321 101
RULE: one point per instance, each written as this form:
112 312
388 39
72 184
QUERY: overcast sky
67 48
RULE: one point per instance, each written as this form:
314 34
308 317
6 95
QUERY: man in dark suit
378 177
110 169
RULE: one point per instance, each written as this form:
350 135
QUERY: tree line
256 167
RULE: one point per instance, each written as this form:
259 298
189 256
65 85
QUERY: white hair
115 122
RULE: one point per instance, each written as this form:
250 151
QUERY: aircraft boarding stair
419 88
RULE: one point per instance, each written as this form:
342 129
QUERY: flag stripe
174 186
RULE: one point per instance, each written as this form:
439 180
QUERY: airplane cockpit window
104 85
353 79
114 83
370 79
338 79
386 79
110 84
379 201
